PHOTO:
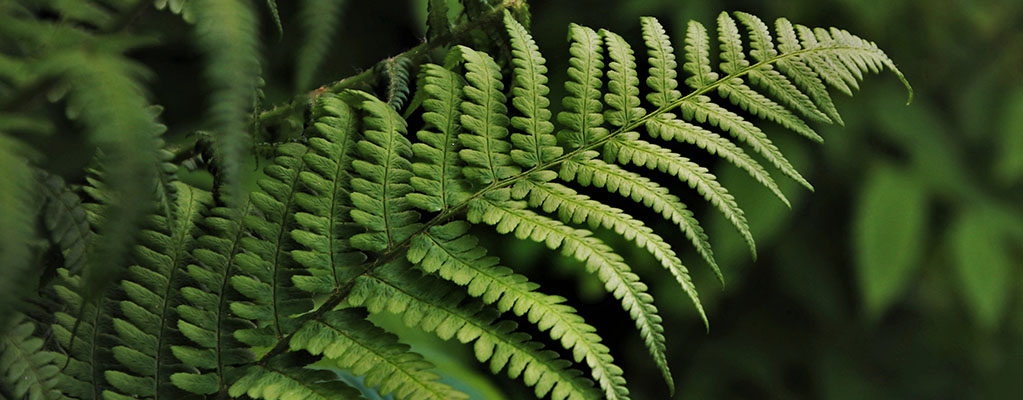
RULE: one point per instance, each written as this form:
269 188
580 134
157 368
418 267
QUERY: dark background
898 278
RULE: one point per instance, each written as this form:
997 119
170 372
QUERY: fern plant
375 207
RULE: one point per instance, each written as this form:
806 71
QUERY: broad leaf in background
983 264
1009 167
889 230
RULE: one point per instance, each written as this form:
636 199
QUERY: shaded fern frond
396 72
147 323
266 266
89 325
328 226
28 371
227 33
430 306
205 317
285 377
319 21
383 172
17 231
347 339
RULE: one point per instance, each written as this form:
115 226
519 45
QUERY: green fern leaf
455 256
383 172
396 71
762 50
319 21
662 63
583 117
327 221
801 74
622 82
588 171
288 377
512 217
697 63
484 117
271 6
106 90
28 371
205 318
16 227
266 264
146 326
734 61
83 337
437 22
744 131
536 144
438 180
346 338
432 307
227 33
628 148
572 207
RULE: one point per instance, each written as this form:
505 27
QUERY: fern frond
396 71
801 74
327 208
28 371
319 20
347 339
762 50
17 231
572 207
586 171
733 61
432 307
744 131
536 144
512 217
382 178
456 256
266 264
667 127
437 22
86 357
583 117
288 377
206 318
147 323
628 148
271 6
227 32
116 114
484 117
438 180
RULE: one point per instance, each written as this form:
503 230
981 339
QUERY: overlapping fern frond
264 294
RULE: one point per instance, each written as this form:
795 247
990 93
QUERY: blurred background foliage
899 278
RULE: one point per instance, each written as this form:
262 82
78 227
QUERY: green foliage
28 371
319 19
891 218
263 290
